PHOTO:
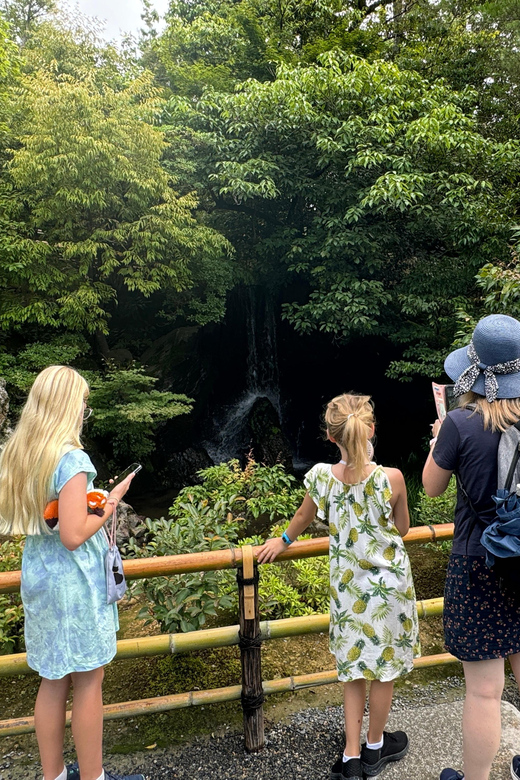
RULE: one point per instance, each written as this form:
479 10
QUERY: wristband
286 538
432 441
110 500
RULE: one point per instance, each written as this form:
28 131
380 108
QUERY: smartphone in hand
134 468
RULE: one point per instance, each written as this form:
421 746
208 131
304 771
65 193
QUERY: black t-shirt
463 446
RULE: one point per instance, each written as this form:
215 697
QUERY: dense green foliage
94 238
367 183
358 160
215 515
436 510
431 511
127 407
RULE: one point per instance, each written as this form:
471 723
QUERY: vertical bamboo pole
250 657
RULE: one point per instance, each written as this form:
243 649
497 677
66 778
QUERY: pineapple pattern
374 631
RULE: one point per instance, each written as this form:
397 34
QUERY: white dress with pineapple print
374 630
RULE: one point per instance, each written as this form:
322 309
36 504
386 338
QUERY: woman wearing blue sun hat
481 623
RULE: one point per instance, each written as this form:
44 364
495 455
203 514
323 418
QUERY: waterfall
230 437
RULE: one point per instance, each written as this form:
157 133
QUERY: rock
268 442
181 467
173 350
120 356
129 524
317 528
5 429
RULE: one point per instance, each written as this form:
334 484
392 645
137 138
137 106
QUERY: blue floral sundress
69 627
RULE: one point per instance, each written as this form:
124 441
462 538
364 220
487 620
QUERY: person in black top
481 624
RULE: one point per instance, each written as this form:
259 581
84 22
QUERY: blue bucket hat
490 364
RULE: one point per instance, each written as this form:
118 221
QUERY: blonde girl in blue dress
70 630
373 617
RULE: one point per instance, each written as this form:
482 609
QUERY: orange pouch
96 500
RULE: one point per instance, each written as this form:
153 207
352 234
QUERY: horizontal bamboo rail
219 637
130 709
166 644
138 568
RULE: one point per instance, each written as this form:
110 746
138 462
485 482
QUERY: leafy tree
24 15
20 369
127 406
365 187
209 45
91 231
9 71
127 410
89 212
469 43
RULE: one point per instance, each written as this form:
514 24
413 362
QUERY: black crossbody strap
467 499
464 492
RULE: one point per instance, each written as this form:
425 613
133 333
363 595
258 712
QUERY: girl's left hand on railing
271 549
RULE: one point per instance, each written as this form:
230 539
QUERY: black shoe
73 774
395 746
110 776
343 769
337 768
515 768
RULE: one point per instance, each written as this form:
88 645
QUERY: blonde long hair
499 415
349 419
49 426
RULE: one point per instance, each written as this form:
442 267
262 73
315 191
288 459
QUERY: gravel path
304 747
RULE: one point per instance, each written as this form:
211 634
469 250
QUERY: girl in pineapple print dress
373 618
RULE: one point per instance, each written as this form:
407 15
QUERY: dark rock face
268 442
258 384
181 467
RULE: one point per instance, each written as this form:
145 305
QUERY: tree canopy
358 159
362 189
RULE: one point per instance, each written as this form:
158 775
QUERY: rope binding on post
250 702
249 580
248 643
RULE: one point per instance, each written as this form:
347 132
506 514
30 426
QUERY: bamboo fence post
250 640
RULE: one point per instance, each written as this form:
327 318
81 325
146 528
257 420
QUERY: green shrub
431 511
249 493
11 610
184 602
215 515
127 410
434 511
291 588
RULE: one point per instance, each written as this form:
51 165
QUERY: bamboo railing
141 568
250 626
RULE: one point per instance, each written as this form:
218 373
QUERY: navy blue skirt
479 622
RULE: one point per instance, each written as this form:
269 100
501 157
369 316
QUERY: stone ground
306 745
